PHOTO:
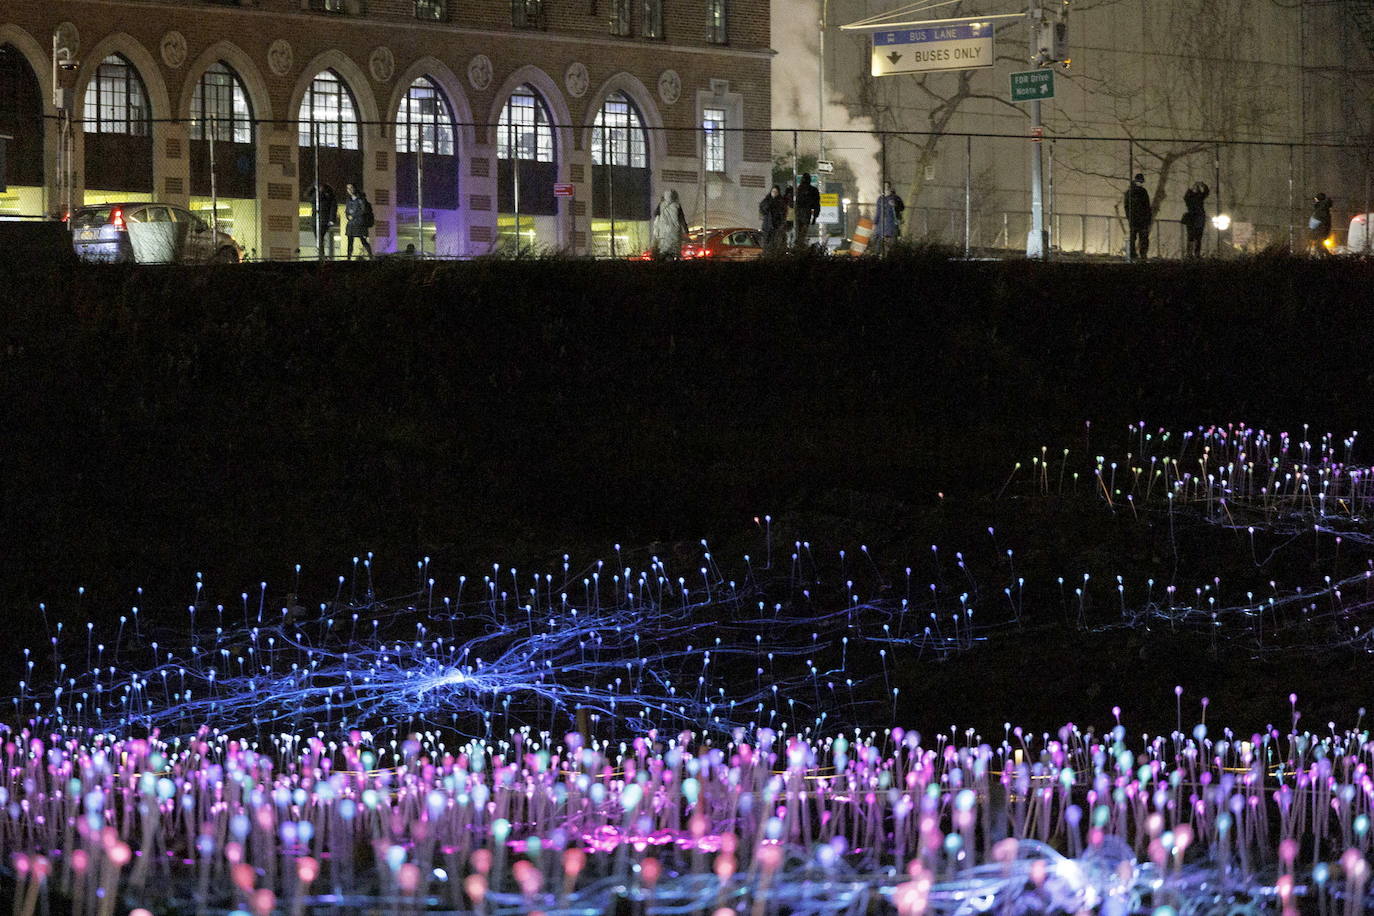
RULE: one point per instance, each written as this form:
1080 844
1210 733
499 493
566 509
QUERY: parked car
102 233
737 244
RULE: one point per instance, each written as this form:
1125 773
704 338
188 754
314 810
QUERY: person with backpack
358 219
1319 225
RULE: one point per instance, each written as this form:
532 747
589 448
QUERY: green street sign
1032 86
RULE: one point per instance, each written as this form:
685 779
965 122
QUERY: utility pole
1037 240
62 99
820 80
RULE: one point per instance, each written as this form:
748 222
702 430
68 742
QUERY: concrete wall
1170 72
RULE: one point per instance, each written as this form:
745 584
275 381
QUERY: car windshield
90 217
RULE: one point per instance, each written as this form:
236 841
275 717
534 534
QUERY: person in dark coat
1139 216
1195 216
358 217
773 217
1319 226
889 215
324 216
807 206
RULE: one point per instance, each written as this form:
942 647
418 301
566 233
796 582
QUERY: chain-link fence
280 189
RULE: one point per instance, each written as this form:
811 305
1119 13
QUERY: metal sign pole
795 239
214 188
1036 246
1035 241
319 199
420 191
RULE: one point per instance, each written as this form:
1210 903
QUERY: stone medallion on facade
576 80
669 87
479 71
279 57
382 64
68 37
174 49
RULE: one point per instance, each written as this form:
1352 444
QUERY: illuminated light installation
675 741
1115 823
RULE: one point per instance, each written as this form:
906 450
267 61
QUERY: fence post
968 193
1216 172
1290 198
795 241
214 190
882 190
1366 206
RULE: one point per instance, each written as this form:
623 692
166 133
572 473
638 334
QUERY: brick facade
378 51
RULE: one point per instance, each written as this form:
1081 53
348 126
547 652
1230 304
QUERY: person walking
1195 217
324 216
1139 216
807 204
773 217
359 219
1319 225
889 215
669 226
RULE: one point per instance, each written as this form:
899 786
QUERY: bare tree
1212 90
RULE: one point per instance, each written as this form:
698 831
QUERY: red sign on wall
562 190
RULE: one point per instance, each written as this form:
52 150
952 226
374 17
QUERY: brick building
457 117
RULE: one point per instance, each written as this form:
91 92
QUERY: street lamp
1221 222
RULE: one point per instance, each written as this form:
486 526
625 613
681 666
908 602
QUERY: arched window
220 106
618 134
424 122
524 130
328 115
21 117
116 100
426 164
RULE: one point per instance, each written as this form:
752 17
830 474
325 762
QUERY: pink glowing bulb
243 876
307 870
263 902
527 876
475 886
481 861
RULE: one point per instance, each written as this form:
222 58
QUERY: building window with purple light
651 26
430 10
527 14
717 22
620 17
713 138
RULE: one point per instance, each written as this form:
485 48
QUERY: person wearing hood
669 226
773 217
808 207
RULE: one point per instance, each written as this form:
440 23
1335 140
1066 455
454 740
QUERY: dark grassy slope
158 422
